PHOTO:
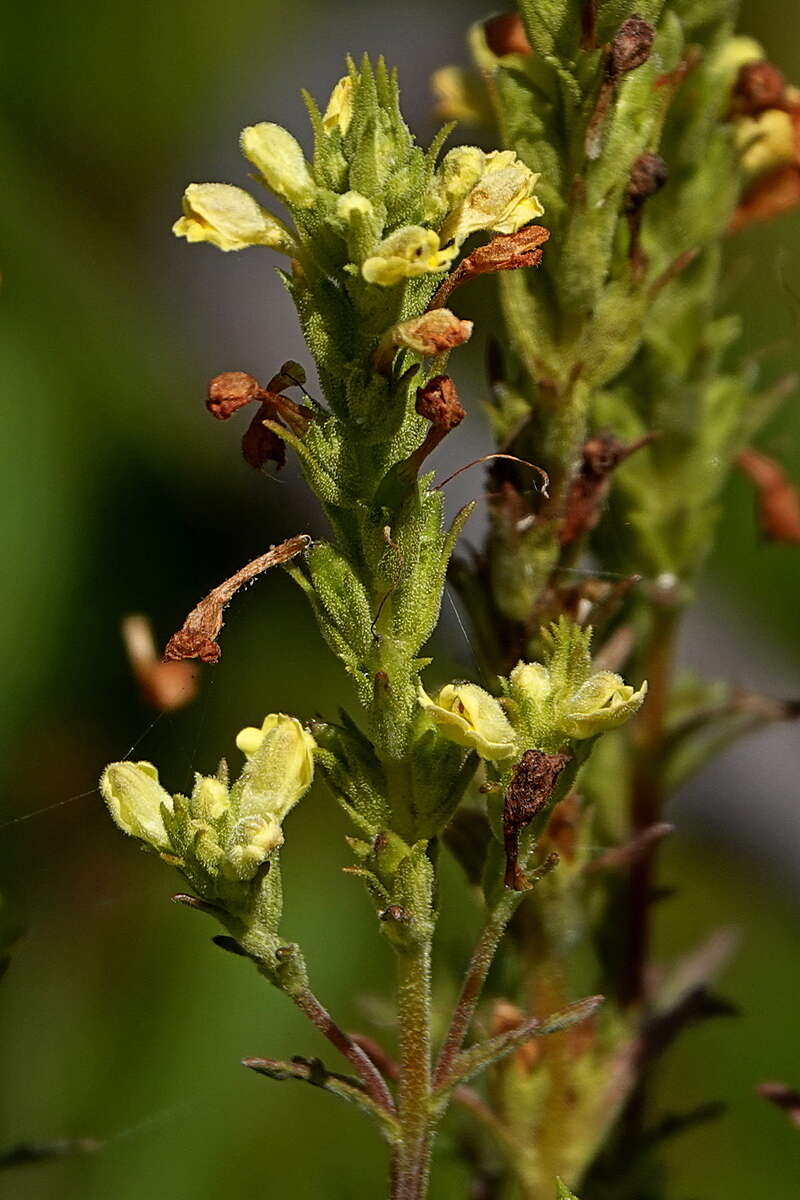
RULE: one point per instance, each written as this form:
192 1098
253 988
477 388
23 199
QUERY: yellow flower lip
502 200
603 702
467 715
407 254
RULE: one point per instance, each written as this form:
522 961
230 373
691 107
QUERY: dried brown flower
759 86
230 391
506 34
508 252
197 636
527 794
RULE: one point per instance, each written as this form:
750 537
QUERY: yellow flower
280 766
279 157
503 200
229 218
134 798
406 254
766 141
467 715
339 112
603 702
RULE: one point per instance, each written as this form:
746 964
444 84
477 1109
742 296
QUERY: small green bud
603 702
230 219
469 716
280 159
134 798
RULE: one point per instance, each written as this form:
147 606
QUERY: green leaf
563 1192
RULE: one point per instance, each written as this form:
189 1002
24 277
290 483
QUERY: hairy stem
478 969
410 1168
368 1073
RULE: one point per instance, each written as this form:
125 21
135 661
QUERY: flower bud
530 683
134 798
251 842
230 219
339 112
210 799
460 171
503 200
603 702
280 767
279 158
467 715
406 254
352 205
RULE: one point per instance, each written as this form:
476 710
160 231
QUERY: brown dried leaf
197 636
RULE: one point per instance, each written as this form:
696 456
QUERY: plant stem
368 1073
410 1167
478 969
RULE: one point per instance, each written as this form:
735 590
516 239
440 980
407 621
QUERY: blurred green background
118 1020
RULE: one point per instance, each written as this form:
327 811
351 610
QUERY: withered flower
527 794
233 390
508 252
600 457
506 34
